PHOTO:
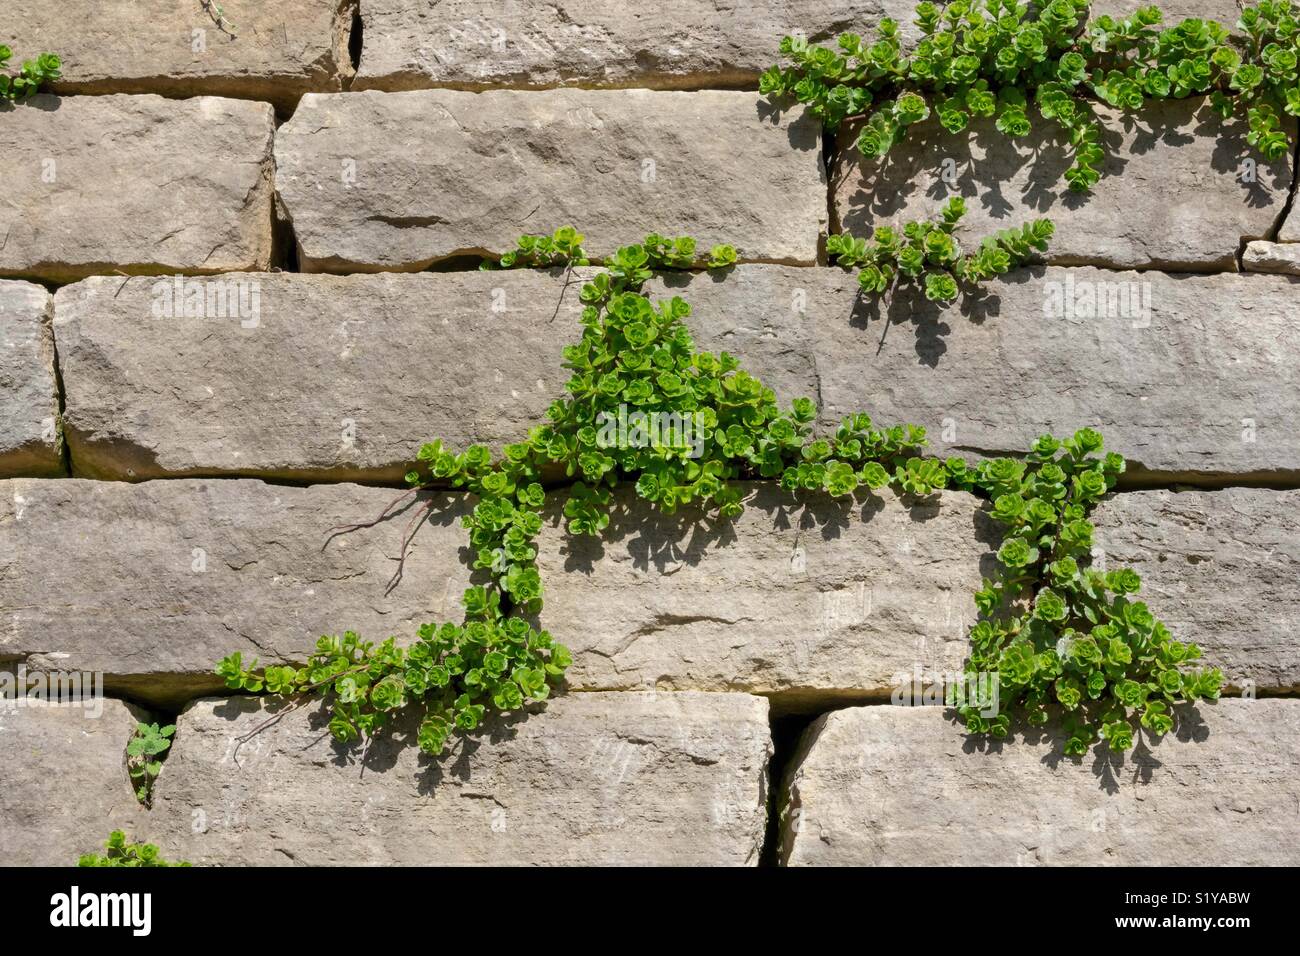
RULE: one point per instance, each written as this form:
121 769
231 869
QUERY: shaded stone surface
589 779
153 583
31 442
135 184
1171 194
1279 257
396 181
895 786
278 51
808 598
1220 569
65 786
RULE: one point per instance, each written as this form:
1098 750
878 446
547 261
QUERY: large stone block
590 779
900 786
677 44
152 583
1220 568
64 786
397 181
135 184
277 52
330 378
1172 195
31 442
809 598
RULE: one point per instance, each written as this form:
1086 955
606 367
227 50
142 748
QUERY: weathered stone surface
64 786
1279 257
279 51
1220 568
802 597
135 184
153 583
1171 194
336 377
1225 12
397 181
670 779
414 44
891 786
1190 377
401 358
30 440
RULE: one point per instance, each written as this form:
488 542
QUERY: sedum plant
118 852
28 81
1060 634
928 253
1008 61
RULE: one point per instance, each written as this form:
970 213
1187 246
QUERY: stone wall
324 180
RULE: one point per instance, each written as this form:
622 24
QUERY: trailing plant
1057 631
144 757
1002 59
121 853
928 253
28 81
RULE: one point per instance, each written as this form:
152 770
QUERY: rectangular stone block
905 786
153 583
31 441
398 181
1172 194
588 779
677 44
262 51
64 786
135 184
811 599
1220 568
330 378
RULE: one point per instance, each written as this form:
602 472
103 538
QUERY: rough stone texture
1219 568
808 597
64 786
1225 12
1280 257
136 184
677 44
280 50
153 583
30 440
896 786
396 181
399 357
1170 196
1195 381
668 779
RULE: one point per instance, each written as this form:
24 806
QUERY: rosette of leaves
118 852
1063 637
30 78
144 756
993 58
927 253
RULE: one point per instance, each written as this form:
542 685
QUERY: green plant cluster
118 852
1059 633
144 756
30 78
928 253
997 58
